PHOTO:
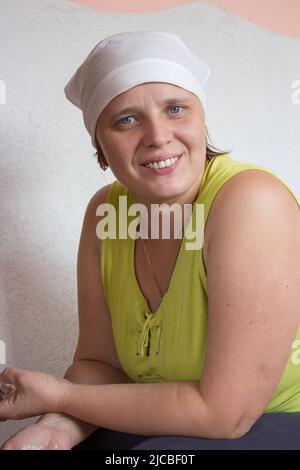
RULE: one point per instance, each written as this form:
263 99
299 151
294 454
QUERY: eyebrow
169 101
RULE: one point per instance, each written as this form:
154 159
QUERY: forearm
84 372
169 408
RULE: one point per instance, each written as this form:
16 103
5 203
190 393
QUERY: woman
175 340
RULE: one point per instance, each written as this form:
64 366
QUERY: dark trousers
272 431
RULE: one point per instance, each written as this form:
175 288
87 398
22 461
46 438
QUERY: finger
5 376
9 374
6 390
7 446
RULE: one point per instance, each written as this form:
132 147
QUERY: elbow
221 431
239 428
221 427
213 420
238 431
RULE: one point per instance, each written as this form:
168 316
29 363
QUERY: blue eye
122 121
175 107
129 119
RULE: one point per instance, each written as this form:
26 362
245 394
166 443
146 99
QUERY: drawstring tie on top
146 334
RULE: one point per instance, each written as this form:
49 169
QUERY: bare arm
253 290
95 360
84 372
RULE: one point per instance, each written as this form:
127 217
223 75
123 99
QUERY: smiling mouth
163 163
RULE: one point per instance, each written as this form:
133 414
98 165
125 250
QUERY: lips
161 158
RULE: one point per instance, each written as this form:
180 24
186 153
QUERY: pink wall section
131 6
280 16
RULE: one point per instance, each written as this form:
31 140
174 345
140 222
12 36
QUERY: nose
157 133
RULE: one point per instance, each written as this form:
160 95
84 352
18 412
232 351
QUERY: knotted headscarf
122 61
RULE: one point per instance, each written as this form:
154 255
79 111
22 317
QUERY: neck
172 219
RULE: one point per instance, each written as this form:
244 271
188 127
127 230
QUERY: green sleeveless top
169 345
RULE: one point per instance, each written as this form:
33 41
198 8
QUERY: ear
101 159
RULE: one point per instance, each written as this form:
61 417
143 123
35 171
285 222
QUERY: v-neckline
179 255
139 290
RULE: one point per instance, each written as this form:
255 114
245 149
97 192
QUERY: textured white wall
47 170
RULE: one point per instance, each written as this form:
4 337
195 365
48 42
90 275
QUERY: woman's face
155 122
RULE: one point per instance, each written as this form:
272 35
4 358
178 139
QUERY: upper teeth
162 163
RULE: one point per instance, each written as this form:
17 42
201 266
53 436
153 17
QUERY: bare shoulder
100 195
250 190
91 218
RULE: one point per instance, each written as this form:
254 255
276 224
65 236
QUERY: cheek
111 149
117 146
194 135
118 152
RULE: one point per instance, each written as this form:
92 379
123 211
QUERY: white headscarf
122 61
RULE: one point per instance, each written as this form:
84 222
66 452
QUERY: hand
39 436
34 393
